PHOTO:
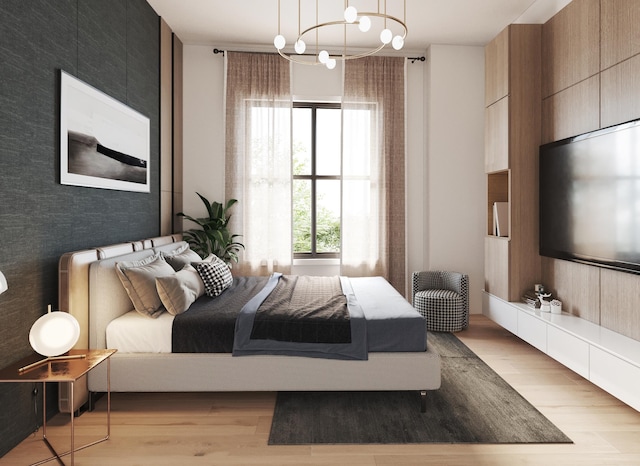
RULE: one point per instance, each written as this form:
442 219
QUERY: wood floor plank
233 428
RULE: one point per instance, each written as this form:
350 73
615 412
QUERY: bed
91 290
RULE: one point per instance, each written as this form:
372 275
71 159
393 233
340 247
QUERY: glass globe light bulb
364 23
397 43
300 46
350 14
279 41
323 56
385 36
331 63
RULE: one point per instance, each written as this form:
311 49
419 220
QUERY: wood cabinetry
512 138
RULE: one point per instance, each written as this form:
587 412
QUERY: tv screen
590 198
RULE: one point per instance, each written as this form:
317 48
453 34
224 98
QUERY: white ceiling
251 25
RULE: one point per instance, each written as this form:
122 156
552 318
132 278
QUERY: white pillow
139 279
178 291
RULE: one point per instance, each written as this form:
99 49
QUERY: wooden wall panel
178 133
496 136
571 46
619 83
619 294
524 141
620 37
497 68
166 128
573 111
576 285
496 266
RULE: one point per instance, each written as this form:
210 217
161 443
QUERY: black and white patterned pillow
215 275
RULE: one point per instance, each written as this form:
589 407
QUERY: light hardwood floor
232 428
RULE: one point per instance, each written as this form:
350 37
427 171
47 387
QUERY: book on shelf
501 218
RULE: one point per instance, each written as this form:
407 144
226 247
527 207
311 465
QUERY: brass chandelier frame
299 57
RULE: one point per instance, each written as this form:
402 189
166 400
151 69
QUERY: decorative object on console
364 38
52 335
545 302
213 237
3 283
530 298
556 306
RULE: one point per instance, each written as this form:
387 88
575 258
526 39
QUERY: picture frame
103 142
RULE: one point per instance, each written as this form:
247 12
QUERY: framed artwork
103 143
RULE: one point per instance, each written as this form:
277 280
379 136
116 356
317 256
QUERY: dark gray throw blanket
324 319
209 324
305 310
301 338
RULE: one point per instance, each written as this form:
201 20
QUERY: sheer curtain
258 159
373 222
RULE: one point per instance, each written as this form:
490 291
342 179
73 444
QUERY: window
317 179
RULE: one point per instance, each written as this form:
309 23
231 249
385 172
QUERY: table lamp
52 335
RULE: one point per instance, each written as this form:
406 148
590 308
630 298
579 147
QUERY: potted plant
213 236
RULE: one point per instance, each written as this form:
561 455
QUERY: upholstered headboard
73 277
108 299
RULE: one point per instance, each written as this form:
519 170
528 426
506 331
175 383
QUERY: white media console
606 358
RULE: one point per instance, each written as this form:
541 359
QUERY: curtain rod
413 59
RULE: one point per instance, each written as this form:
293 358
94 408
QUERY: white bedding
134 333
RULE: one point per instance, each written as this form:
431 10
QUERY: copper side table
63 370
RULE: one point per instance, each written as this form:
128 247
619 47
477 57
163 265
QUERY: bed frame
90 290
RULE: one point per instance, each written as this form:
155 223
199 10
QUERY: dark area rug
473 405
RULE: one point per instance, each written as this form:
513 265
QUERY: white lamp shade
364 24
350 14
397 43
300 46
279 41
385 36
54 333
3 283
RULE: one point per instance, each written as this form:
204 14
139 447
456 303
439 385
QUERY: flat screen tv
590 198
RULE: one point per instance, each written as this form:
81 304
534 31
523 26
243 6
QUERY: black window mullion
314 217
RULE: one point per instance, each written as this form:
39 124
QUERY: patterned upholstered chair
443 299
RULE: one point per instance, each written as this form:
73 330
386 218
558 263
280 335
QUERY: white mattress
134 333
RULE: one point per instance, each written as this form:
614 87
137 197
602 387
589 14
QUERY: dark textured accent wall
112 45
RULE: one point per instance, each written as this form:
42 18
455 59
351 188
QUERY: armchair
442 298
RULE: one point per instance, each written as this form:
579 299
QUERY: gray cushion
177 292
139 279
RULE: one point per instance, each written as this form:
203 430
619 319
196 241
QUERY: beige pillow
180 257
139 279
177 292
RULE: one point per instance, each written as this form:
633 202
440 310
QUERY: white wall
445 170
203 164
456 182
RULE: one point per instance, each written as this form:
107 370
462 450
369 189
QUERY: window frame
314 177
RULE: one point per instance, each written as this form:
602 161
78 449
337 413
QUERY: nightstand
65 370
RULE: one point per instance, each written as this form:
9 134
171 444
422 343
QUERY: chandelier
392 31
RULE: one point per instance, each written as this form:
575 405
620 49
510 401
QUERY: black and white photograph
103 142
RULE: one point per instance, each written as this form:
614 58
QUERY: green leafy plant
213 236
